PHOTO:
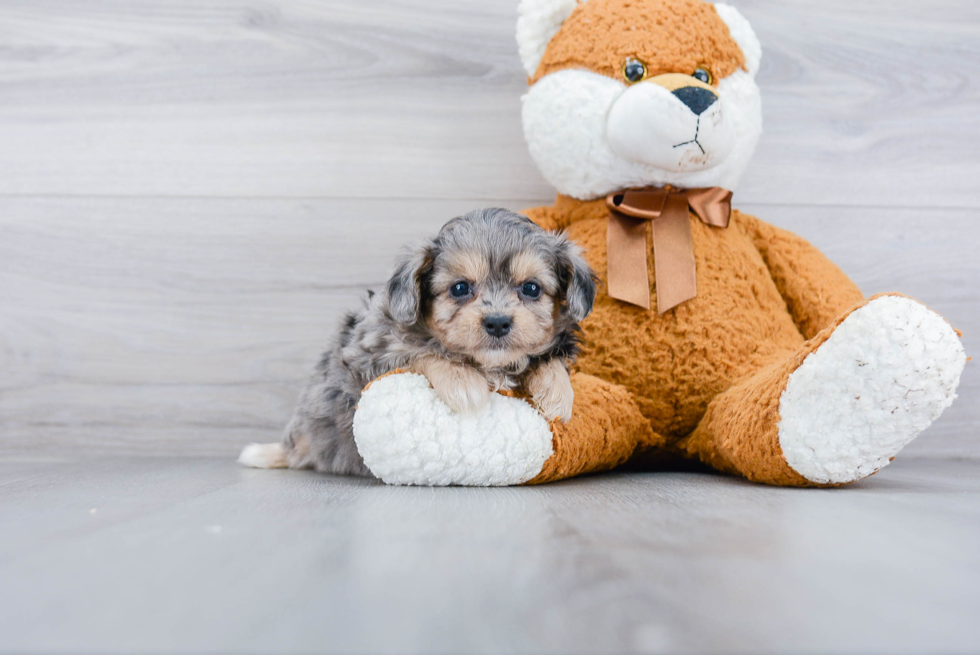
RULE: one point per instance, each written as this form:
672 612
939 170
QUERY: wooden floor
192 191
176 555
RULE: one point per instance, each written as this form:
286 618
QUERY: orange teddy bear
716 336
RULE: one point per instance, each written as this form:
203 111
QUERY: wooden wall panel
869 103
188 325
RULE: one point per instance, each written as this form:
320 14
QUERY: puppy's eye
531 290
460 290
634 70
703 75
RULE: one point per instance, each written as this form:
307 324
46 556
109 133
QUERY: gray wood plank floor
191 192
197 555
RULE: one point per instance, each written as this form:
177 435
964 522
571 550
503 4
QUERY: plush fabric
407 435
537 23
779 370
569 112
606 429
676 363
599 36
886 372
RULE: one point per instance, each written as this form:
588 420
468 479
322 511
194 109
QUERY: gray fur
404 289
388 332
580 289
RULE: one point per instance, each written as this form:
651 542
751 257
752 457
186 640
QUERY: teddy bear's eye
634 70
703 75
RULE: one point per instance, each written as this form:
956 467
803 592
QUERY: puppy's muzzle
498 325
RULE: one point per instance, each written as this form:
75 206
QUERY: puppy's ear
577 278
405 288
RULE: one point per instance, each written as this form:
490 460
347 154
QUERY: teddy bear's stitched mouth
697 130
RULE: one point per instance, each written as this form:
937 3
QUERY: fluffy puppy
492 302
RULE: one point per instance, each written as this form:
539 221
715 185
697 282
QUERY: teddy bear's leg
407 435
840 408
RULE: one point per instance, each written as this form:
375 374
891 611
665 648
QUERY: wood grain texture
187 326
871 103
199 556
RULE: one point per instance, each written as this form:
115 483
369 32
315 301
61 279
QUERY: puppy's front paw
556 405
551 391
460 387
465 392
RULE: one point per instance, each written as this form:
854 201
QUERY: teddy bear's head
633 93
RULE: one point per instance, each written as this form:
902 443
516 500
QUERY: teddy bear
714 336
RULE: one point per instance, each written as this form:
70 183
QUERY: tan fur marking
460 326
460 387
528 266
533 325
468 265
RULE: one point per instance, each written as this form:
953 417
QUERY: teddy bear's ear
537 22
744 35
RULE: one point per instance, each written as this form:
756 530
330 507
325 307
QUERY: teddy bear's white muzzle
679 131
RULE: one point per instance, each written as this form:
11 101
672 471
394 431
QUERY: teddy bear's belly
675 363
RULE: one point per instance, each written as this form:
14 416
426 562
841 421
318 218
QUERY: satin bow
666 210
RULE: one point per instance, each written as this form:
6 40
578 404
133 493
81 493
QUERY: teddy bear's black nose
497 326
696 98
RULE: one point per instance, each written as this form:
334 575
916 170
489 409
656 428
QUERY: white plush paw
407 435
885 374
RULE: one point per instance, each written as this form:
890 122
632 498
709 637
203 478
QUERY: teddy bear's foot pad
407 435
887 372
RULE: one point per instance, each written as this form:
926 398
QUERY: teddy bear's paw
407 435
885 374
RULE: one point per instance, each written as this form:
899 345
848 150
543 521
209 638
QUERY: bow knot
666 210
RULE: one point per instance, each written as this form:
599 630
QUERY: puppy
492 302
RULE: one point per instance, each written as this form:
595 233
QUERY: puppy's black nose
497 326
696 98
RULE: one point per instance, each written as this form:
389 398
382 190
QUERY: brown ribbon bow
666 210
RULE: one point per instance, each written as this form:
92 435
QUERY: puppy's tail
264 456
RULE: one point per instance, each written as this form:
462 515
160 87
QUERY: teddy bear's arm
816 291
606 429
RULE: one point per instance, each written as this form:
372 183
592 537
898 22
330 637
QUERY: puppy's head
495 287
632 93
